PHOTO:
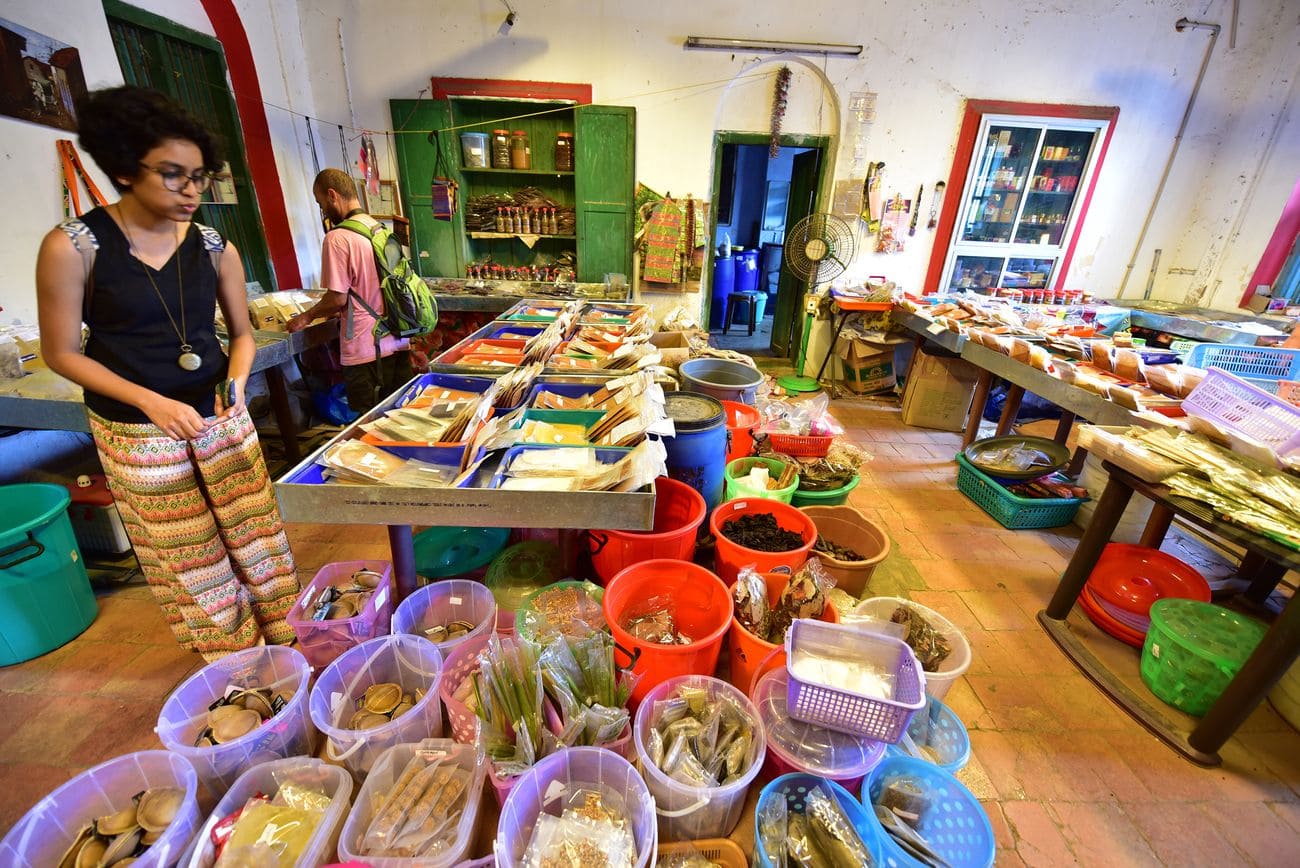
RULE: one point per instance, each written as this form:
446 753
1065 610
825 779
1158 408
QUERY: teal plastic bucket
44 589
834 497
457 552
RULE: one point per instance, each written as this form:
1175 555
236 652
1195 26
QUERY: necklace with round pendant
189 360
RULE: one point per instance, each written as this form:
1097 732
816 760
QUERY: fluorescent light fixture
717 43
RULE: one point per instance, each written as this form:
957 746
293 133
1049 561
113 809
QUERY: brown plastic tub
848 527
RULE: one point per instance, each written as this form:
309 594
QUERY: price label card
936 328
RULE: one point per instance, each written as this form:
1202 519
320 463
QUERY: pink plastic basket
462 661
1242 408
322 642
846 711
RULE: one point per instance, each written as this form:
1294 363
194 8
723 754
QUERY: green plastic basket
736 488
834 497
1193 650
1010 510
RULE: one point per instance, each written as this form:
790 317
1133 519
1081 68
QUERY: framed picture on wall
42 80
385 203
222 190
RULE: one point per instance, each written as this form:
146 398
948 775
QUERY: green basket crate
1193 650
1010 510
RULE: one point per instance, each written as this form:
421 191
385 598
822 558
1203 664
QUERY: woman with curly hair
166 403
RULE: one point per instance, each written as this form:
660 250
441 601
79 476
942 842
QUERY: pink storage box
321 642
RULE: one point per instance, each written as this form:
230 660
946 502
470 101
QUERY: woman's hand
177 420
236 407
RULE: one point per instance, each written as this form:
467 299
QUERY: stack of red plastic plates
1127 580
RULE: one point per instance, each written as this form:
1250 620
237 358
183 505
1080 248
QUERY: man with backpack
372 288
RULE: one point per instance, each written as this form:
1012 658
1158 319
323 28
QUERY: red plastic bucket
679 512
751 656
742 419
730 557
701 608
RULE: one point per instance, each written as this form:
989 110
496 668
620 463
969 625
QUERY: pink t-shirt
348 262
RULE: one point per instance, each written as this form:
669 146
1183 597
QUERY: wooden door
437 246
605 159
787 319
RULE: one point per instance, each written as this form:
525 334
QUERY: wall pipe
1180 25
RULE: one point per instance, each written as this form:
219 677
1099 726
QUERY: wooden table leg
1157 526
1063 427
1009 410
1104 521
982 386
283 413
1262 574
1075 467
1265 666
401 542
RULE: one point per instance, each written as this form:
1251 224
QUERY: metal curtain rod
722 43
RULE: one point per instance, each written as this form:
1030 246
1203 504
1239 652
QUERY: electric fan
818 249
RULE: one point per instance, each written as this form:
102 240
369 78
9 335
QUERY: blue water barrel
747 271
698 454
724 283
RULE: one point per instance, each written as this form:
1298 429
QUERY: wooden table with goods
1264 563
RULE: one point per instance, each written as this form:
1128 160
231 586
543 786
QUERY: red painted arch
257 140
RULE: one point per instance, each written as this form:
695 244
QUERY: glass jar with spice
521 153
501 149
564 152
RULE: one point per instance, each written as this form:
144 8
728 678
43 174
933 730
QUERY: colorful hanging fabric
663 240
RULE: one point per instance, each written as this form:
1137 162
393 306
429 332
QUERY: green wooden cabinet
605 138
600 189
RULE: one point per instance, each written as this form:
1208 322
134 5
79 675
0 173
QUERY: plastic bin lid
522 569
447 552
1213 632
1133 577
692 411
806 746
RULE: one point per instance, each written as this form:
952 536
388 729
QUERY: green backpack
409 306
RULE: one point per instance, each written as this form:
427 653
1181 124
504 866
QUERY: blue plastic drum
698 454
724 283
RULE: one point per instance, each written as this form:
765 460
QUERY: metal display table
23 406
929 330
1265 563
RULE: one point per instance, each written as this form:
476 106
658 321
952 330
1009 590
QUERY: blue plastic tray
605 455
955 824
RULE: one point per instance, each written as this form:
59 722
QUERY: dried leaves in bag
931 646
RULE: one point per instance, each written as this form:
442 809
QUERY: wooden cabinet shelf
481 170
518 235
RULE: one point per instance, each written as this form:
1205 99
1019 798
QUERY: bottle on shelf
521 153
501 220
527 221
564 152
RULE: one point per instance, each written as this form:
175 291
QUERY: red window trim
965 152
1279 246
257 140
442 88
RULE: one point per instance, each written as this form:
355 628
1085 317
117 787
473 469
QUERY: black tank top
130 333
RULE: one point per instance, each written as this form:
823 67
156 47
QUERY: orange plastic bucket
701 608
730 557
750 655
679 512
742 419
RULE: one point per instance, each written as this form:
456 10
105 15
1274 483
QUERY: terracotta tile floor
1065 776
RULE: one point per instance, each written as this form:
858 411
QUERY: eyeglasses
175 179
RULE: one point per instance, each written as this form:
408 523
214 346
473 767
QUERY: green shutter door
605 138
437 246
189 67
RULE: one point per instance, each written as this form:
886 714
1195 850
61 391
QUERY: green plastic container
45 596
519 571
1193 650
529 622
736 487
457 552
834 497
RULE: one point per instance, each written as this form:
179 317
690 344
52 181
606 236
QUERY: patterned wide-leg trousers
206 530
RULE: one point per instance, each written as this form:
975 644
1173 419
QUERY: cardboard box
868 366
675 347
939 392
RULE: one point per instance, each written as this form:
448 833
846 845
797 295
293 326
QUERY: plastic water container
444 602
794 788
723 379
688 813
184 715
379 783
679 512
46 832
323 641
955 825
747 271
267 778
697 455
543 788
954 665
701 608
44 589
793 746
409 661
724 283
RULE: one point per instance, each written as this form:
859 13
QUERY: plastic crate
322 641
1261 366
95 522
719 851
854 713
1010 510
799 445
1246 409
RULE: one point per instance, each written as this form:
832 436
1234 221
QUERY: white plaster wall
922 59
29 165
